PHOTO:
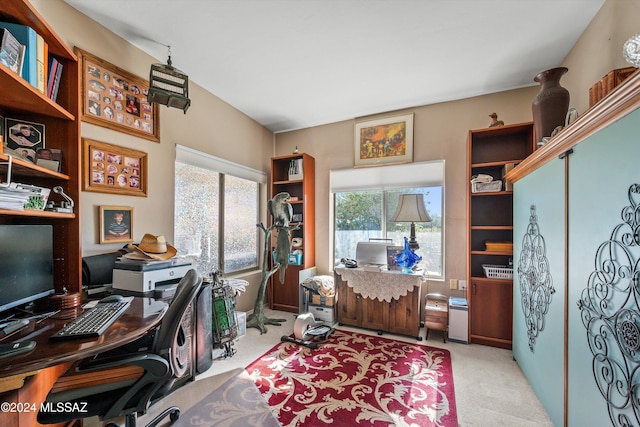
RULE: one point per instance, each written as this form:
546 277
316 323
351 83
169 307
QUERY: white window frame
224 167
418 174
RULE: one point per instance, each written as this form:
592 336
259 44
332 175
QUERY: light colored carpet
490 388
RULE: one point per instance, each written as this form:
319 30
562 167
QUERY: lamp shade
411 209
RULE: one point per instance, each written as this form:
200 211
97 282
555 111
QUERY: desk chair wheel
173 412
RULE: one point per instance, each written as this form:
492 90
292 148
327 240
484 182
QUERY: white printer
142 279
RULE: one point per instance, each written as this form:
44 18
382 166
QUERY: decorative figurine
495 121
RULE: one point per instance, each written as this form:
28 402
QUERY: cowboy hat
152 247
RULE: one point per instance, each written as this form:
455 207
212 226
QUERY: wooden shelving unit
490 218
286 296
22 101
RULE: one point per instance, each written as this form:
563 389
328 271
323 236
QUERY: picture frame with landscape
387 140
116 224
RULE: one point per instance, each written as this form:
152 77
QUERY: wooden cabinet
436 314
22 101
400 316
300 184
490 219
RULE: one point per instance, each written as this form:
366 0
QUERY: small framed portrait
50 158
116 224
392 251
23 139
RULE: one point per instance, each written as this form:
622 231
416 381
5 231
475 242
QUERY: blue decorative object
407 258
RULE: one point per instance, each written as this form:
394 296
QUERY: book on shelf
295 169
53 83
42 63
29 38
11 51
491 246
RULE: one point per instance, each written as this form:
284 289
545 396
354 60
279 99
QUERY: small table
437 314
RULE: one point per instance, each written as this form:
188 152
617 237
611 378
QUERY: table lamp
411 209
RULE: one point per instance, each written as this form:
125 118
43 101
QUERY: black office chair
165 362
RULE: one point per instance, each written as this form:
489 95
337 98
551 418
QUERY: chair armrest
151 363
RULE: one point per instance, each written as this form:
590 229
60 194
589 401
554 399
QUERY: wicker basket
498 271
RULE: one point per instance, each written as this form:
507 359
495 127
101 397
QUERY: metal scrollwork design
609 312
536 283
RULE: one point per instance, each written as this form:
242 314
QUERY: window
365 200
216 212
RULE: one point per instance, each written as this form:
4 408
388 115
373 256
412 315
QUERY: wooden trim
566 292
76 380
620 102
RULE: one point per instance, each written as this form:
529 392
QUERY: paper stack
13 198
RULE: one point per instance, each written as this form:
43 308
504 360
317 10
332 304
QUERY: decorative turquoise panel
604 258
538 294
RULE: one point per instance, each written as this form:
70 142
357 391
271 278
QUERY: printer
147 278
374 253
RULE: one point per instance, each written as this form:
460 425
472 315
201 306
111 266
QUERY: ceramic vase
551 104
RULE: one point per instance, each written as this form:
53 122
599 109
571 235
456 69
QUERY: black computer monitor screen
26 264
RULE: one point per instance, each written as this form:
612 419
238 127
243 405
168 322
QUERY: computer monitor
26 264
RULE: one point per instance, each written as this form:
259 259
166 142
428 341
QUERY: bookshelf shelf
286 296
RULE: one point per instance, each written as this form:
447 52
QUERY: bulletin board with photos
109 168
116 99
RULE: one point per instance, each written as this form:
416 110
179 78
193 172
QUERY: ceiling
292 64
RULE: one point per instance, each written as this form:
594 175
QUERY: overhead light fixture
411 209
168 86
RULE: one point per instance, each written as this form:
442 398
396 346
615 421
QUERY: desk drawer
435 316
435 319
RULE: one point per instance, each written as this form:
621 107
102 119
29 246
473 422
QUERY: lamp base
413 243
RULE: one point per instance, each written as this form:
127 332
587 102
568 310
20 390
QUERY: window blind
419 174
216 164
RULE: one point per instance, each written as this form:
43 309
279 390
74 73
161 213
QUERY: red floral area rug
357 380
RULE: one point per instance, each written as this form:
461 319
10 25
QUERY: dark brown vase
551 104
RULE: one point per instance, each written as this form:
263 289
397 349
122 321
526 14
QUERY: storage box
317 299
294 259
320 312
485 187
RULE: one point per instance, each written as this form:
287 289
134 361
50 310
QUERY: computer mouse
111 298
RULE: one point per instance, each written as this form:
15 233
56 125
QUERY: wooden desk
360 302
27 378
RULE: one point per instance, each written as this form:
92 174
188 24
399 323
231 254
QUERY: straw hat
152 247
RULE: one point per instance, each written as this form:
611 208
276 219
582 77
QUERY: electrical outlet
462 285
453 283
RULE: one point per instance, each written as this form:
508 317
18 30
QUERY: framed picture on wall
384 141
116 224
108 168
116 99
